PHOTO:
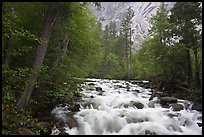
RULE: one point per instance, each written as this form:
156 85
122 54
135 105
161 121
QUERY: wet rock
62 131
197 106
120 86
74 107
199 124
91 96
167 100
98 89
89 105
177 107
71 122
136 90
166 106
138 105
24 131
125 105
91 84
148 132
101 93
172 115
60 123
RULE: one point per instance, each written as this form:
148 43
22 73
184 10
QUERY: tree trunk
6 57
40 54
197 74
63 53
189 68
130 56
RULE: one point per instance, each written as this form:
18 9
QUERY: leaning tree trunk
40 54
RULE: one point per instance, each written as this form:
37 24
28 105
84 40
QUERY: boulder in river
177 107
71 122
167 100
99 89
138 105
148 132
197 106
74 108
91 84
126 105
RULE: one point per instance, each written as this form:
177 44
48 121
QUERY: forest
49 48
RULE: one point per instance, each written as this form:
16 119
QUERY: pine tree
186 16
126 35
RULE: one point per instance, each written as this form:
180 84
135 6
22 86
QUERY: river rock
60 123
62 131
167 100
74 108
199 124
177 107
197 106
24 131
98 89
89 105
125 105
148 132
136 90
91 84
138 105
71 122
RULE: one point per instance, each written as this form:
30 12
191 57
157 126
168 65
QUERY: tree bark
63 53
40 54
189 68
197 74
6 57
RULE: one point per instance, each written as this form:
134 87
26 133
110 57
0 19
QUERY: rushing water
113 112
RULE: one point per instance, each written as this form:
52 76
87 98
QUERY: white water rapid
120 110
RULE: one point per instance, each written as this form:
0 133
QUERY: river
117 107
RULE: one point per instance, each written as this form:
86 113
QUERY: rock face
167 100
115 11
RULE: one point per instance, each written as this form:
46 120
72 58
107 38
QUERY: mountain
115 11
